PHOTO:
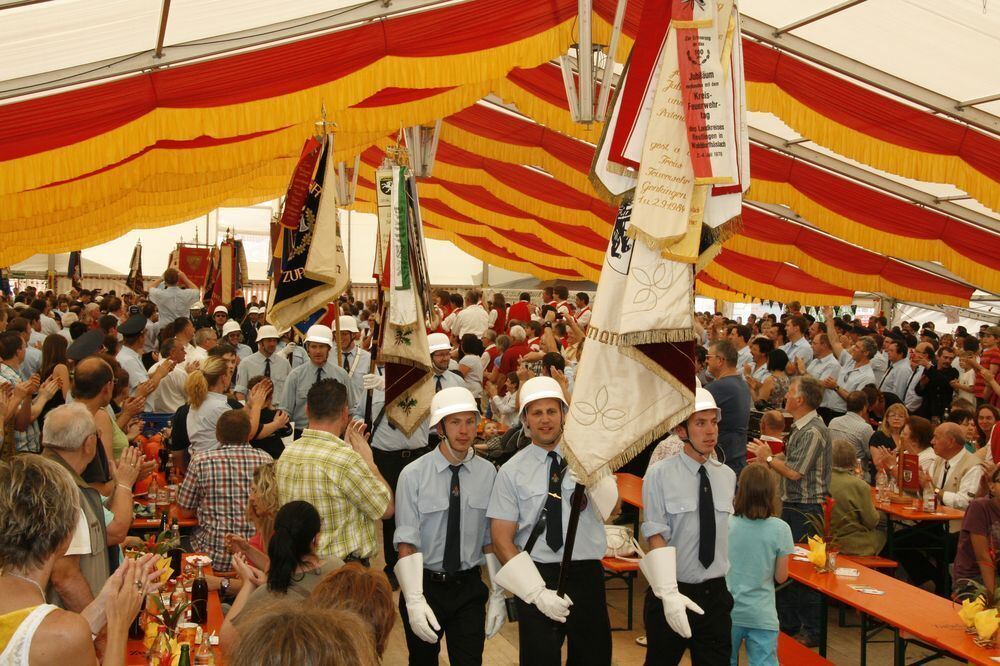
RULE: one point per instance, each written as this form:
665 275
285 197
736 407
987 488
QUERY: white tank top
19 648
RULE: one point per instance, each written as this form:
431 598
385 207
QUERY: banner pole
576 506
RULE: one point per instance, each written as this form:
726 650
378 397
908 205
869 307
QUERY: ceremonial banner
325 261
194 262
134 279
74 270
409 382
299 188
383 185
294 296
635 380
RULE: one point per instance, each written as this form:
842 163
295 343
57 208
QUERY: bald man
955 473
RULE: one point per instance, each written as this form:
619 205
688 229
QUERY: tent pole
350 248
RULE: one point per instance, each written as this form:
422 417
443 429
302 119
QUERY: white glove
286 351
496 610
373 382
409 572
520 577
660 568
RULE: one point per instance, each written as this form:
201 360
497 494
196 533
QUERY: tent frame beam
841 168
936 102
819 16
210 48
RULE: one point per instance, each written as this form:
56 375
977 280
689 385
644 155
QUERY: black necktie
947 466
706 520
347 363
267 367
437 383
319 374
453 538
885 377
553 505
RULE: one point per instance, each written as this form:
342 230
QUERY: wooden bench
627 572
793 653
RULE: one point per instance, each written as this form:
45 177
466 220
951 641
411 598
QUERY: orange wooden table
136 649
914 615
153 522
630 488
933 535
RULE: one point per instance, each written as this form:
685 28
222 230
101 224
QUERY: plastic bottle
204 656
882 486
159 652
930 499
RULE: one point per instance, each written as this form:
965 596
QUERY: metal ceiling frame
905 192
818 16
936 102
210 47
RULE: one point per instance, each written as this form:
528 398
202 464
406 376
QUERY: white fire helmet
452 400
321 334
538 388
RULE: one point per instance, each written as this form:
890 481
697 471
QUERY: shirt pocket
479 501
680 505
430 504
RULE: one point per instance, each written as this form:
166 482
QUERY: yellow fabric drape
876 240
929 167
756 289
294 108
837 276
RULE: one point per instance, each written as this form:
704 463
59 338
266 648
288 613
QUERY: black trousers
390 464
711 634
587 629
828 414
460 609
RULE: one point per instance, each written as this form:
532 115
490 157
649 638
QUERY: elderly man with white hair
70 439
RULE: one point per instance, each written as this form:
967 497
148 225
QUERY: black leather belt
403 453
441 577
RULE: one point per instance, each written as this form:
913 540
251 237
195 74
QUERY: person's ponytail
295 527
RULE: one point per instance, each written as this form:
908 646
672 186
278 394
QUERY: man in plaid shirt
217 487
337 477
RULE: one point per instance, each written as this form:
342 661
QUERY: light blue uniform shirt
32 362
201 422
798 349
744 357
856 378
897 377
388 438
151 341
821 368
253 365
173 302
670 502
243 351
358 362
422 497
519 493
131 363
297 385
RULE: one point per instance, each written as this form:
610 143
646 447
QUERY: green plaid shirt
320 468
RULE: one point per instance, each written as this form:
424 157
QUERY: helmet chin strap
469 455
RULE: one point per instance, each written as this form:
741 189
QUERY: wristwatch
224 585
768 460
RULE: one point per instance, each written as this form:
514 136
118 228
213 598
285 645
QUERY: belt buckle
405 453
438 576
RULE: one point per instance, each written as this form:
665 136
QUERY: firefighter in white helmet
443 539
688 500
319 343
529 511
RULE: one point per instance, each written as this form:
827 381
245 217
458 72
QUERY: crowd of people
292 474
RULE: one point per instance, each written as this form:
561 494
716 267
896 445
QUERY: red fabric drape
777 274
392 96
769 229
870 112
544 82
57 120
529 182
872 208
487 123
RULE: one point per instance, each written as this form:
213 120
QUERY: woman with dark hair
498 313
986 417
55 363
471 363
770 393
294 568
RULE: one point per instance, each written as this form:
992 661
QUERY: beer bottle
199 598
185 659
175 552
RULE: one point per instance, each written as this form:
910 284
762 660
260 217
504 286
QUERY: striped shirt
217 485
808 452
320 468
